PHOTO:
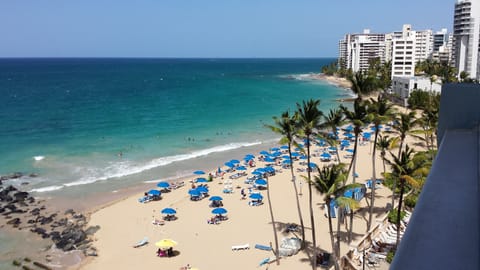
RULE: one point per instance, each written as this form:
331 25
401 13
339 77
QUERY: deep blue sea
116 122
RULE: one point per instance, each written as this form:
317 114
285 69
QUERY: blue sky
208 28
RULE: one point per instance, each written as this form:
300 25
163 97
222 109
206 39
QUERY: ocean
84 124
88 126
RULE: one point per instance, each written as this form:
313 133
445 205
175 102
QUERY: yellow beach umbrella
166 243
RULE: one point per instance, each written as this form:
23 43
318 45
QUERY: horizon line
161 57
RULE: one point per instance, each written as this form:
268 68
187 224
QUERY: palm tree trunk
339 222
273 222
374 181
399 211
384 168
334 130
300 216
395 179
354 165
310 204
330 226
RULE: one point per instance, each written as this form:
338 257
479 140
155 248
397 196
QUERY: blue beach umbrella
275 149
269 159
295 154
257 173
216 198
285 147
154 192
303 157
219 211
276 154
349 150
256 196
168 211
250 156
285 157
287 161
194 192
312 165
269 169
261 182
198 172
202 189
229 164
265 153
325 155
234 161
163 184
241 168
201 180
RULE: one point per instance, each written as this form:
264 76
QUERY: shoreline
141 222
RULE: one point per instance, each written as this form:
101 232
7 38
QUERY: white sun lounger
241 247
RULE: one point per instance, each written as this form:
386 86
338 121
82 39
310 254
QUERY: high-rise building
357 50
440 38
466 35
403 52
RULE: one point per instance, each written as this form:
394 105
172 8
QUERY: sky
208 28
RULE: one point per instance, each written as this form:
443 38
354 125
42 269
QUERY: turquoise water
69 120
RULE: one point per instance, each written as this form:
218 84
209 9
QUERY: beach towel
143 242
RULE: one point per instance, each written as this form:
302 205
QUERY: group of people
165 252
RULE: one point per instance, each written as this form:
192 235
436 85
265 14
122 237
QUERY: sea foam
125 168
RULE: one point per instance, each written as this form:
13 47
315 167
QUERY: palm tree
361 83
273 222
406 170
330 183
309 117
357 118
285 125
380 111
383 144
403 125
333 120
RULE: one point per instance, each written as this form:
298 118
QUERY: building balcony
444 230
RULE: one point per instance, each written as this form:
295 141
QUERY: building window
415 86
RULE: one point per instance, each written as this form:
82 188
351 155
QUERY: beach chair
141 243
158 222
241 247
262 247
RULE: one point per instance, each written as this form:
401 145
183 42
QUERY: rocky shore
67 230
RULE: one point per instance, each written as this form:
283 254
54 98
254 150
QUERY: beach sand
206 246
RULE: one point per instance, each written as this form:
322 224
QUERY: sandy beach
206 246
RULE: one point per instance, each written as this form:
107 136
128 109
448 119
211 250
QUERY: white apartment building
466 34
357 50
403 86
403 52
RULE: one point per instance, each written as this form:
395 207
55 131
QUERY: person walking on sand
244 195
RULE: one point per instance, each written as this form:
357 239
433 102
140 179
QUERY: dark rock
2 209
92 230
11 206
70 212
31 221
31 200
25 183
35 211
20 196
14 222
38 230
16 175
33 175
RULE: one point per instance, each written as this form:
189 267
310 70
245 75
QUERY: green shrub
392 216
411 200
16 263
390 256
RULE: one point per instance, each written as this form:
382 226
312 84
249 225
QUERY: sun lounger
158 222
241 247
141 243
262 247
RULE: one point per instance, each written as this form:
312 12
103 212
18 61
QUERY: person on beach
244 195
